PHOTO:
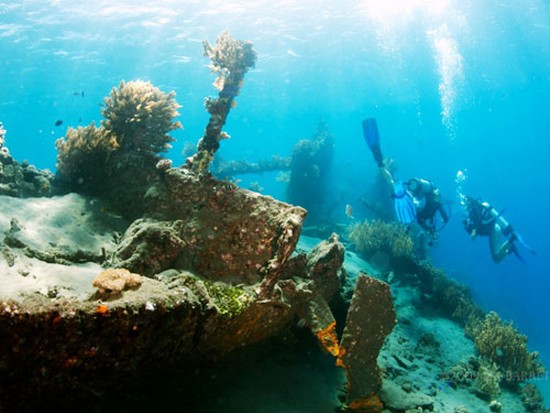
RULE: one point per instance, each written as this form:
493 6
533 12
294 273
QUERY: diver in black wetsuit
483 219
427 199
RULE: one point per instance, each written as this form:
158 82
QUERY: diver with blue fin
414 200
483 219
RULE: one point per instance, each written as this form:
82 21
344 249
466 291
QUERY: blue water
455 86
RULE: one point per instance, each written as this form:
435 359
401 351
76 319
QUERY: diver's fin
517 254
370 133
525 245
405 209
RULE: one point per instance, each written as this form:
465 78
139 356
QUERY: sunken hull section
191 304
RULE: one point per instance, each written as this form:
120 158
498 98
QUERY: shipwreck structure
194 268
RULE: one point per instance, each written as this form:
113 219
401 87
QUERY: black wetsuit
479 218
432 204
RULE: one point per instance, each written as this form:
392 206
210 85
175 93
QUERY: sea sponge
501 343
115 280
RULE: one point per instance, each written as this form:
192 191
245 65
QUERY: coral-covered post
231 59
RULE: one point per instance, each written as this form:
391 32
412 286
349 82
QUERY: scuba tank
490 214
419 186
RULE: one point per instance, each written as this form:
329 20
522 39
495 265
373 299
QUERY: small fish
79 93
349 211
58 122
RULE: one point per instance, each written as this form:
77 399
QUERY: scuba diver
428 202
483 219
415 200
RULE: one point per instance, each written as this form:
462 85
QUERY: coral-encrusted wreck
204 268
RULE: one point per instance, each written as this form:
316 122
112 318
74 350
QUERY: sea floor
288 374
292 374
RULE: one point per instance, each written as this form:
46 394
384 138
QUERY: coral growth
455 300
2 136
82 157
126 146
115 280
229 300
230 60
138 116
501 343
532 399
488 378
21 180
375 236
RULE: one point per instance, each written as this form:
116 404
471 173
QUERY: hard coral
488 378
374 236
532 399
139 116
231 59
82 154
115 280
137 119
502 344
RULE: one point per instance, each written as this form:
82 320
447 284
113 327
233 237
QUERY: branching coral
230 59
488 378
139 116
455 299
82 155
532 399
502 344
371 237
137 119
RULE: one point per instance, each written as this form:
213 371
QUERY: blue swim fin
518 256
370 133
405 210
525 245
